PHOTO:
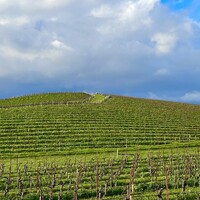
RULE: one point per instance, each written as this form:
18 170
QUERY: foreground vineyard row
154 176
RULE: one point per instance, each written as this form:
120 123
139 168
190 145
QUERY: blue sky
190 7
178 4
142 48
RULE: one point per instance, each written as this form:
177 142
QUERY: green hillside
120 140
43 99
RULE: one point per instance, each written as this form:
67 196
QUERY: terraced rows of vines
82 146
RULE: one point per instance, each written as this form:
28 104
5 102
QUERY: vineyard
80 146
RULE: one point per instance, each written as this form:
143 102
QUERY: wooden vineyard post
157 169
185 176
178 174
61 189
8 180
128 193
151 167
97 180
8 183
41 195
21 187
75 192
91 183
171 166
166 181
105 189
53 183
37 181
191 167
76 186
132 175
111 172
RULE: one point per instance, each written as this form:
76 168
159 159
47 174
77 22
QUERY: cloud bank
134 47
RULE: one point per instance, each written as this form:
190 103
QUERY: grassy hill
121 140
44 99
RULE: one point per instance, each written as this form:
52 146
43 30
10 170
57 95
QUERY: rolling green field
81 146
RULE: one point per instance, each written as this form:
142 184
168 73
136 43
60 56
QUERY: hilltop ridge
53 98
71 97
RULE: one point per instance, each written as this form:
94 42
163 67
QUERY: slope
80 146
93 126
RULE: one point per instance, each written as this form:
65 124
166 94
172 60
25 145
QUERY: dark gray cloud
139 48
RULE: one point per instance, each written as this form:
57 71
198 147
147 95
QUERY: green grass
45 99
98 98
79 127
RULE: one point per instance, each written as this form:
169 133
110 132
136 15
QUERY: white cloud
162 72
11 53
136 10
47 4
54 19
102 12
17 21
60 45
126 16
164 42
3 2
193 96
4 21
17 54
33 5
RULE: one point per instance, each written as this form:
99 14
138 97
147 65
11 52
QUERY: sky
139 48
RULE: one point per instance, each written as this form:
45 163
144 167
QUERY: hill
76 121
44 99
82 126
